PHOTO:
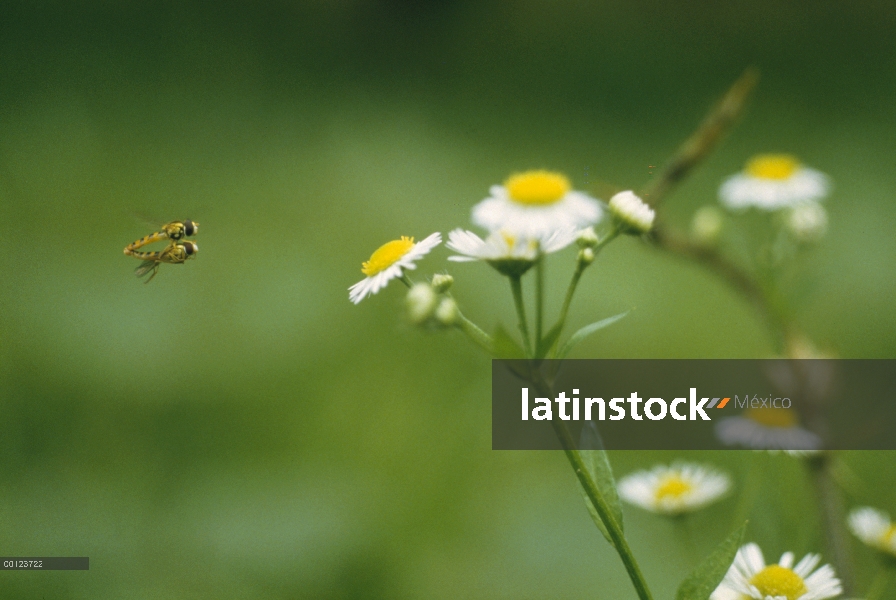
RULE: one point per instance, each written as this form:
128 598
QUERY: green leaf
707 577
548 341
598 467
506 346
587 330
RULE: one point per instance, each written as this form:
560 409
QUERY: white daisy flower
874 528
534 205
509 254
749 578
501 245
773 181
768 429
673 490
388 262
632 213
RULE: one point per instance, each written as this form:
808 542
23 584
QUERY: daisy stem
879 584
682 525
539 298
517 289
475 333
580 268
406 280
603 510
833 518
758 463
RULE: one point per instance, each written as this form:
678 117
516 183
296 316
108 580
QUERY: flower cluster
532 214
537 213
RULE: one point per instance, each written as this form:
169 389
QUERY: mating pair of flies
177 252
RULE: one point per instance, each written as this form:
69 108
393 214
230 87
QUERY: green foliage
505 345
548 341
598 467
587 330
709 574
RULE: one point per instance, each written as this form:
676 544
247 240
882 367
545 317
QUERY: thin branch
742 281
701 142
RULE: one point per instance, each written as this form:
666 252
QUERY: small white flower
772 182
874 528
749 578
673 490
632 213
808 222
536 204
502 245
768 429
509 254
388 262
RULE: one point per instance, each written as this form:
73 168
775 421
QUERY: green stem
580 268
879 584
833 518
475 333
570 291
603 510
406 280
758 463
539 299
682 525
517 289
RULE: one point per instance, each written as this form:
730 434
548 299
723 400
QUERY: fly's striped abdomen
146 255
131 248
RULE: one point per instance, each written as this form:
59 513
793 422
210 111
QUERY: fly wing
145 268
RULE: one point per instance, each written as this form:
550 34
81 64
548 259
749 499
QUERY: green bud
587 238
421 302
706 226
442 283
586 256
446 313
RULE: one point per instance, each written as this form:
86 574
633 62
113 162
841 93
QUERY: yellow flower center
772 166
386 255
673 487
773 417
888 535
775 580
537 187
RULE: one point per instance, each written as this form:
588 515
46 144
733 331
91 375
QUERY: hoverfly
174 231
173 254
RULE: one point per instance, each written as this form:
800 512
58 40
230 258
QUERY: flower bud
631 213
587 238
586 256
808 222
706 225
421 302
441 283
446 313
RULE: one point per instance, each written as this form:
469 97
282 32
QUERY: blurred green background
237 428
